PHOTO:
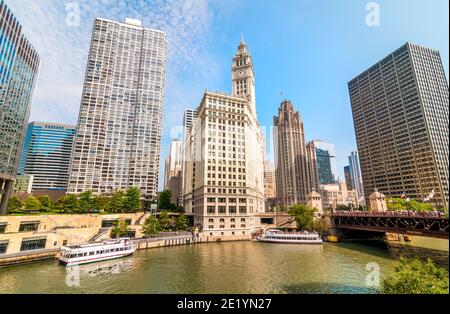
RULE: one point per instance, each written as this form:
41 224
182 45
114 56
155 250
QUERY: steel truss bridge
425 224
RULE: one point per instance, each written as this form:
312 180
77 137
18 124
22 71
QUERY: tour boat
278 236
95 252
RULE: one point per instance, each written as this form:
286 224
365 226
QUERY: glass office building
19 64
326 162
46 154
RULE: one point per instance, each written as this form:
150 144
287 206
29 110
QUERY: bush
413 276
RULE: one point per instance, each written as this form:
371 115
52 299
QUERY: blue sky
307 49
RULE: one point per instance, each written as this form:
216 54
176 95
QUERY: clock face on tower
241 73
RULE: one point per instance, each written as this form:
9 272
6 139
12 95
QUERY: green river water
228 267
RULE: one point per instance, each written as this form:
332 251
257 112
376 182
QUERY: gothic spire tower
243 75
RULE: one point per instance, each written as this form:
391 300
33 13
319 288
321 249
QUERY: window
2 227
33 244
211 209
3 246
29 226
221 209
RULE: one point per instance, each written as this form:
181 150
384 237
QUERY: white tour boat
95 252
278 236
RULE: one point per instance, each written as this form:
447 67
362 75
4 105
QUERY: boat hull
94 259
291 241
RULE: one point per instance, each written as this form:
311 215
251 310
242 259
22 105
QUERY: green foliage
319 226
32 203
132 201
413 276
164 202
14 203
341 207
303 215
69 203
116 203
182 222
86 201
46 201
151 226
100 203
399 204
120 229
165 221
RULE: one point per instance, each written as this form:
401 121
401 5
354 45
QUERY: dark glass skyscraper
326 162
46 154
400 112
19 63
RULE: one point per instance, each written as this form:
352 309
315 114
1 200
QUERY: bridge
425 224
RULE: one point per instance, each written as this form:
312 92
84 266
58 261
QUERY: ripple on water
233 267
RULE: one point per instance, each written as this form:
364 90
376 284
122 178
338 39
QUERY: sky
303 50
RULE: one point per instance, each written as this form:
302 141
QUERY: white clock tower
243 75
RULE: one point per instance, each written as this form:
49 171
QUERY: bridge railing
412 214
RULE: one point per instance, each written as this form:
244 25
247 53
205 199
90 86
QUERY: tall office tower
119 126
46 154
312 166
172 171
326 162
190 115
292 174
348 178
355 173
19 64
189 118
224 180
401 115
269 180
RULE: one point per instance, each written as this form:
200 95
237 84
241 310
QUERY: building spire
242 37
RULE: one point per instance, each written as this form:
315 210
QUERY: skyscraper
19 64
224 182
172 171
269 180
312 166
348 178
190 115
401 115
326 162
119 126
189 118
46 154
292 168
355 173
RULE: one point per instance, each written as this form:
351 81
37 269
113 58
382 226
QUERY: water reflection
228 267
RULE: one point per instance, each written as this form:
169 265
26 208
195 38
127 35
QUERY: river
228 267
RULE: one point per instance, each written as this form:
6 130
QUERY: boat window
91 253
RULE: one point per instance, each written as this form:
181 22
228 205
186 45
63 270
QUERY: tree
46 201
69 203
182 222
151 226
399 204
164 221
165 198
100 203
132 202
341 207
413 276
117 201
86 201
14 203
32 203
320 226
303 215
396 204
120 229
